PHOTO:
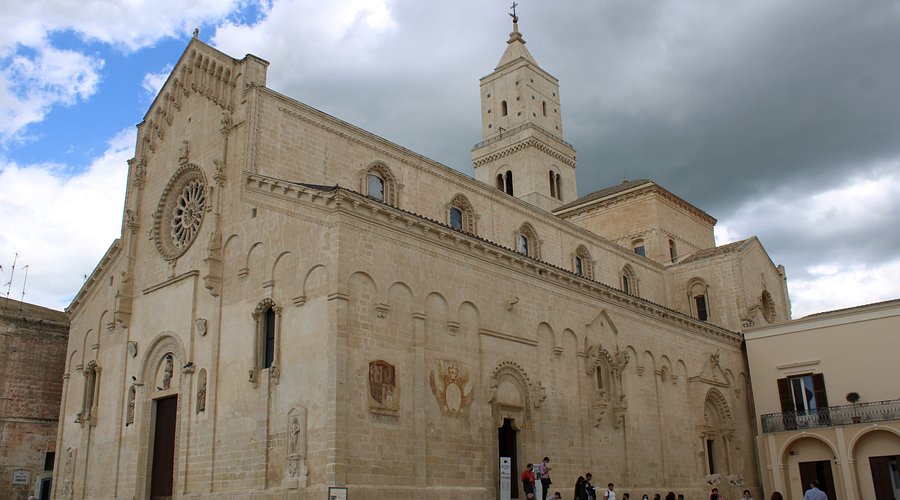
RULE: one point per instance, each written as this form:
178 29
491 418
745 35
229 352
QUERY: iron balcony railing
879 411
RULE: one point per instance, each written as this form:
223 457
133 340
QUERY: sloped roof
515 49
716 251
603 193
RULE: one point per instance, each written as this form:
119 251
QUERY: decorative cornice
349 202
94 278
531 142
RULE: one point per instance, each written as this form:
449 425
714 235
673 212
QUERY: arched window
558 188
697 295
583 264
461 214
509 183
379 183
544 107
503 110
527 242
375 186
500 182
639 248
267 317
629 280
552 185
673 252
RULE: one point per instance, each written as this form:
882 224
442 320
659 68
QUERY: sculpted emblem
383 384
451 387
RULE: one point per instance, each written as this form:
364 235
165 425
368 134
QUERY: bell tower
522 151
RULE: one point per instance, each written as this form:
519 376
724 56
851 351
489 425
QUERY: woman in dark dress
580 493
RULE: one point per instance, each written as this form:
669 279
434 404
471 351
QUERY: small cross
513 14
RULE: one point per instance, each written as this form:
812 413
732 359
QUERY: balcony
831 416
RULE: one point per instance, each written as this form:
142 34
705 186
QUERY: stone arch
86 344
437 315
231 255
509 394
717 401
681 371
315 283
854 441
253 262
698 298
665 369
284 271
785 447
469 318
402 304
648 362
569 341
467 211
532 243
390 187
163 344
583 263
628 281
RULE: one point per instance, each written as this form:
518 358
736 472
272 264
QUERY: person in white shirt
610 493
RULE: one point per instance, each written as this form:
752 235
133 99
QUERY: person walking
589 486
814 493
544 472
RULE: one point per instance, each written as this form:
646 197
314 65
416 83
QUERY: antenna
9 283
23 287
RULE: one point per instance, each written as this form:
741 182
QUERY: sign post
505 474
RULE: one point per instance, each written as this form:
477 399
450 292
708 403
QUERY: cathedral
298 308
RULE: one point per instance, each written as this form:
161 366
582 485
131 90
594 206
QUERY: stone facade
825 388
32 359
296 303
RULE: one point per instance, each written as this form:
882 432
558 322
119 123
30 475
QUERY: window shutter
819 390
784 393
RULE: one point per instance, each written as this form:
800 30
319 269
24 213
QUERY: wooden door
163 475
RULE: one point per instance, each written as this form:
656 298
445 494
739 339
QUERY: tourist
670 495
814 493
714 494
746 495
544 473
776 495
557 496
528 481
579 489
589 487
610 493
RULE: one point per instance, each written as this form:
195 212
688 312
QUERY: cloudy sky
780 118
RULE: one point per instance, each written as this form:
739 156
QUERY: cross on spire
513 13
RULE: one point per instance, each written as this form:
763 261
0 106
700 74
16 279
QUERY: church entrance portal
163 449
507 446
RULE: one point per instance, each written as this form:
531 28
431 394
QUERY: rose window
179 216
188 214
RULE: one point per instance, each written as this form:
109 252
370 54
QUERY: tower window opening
552 185
544 107
558 187
500 182
509 183
503 108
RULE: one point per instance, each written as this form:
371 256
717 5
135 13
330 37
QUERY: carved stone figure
201 392
168 369
296 473
129 416
201 327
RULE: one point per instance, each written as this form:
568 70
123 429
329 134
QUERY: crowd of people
585 490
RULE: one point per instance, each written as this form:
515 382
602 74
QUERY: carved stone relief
609 397
201 327
68 487
296 473
168 370
451 387
383 391
129 415
132 348
201 391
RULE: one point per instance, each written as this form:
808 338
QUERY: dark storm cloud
724 104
